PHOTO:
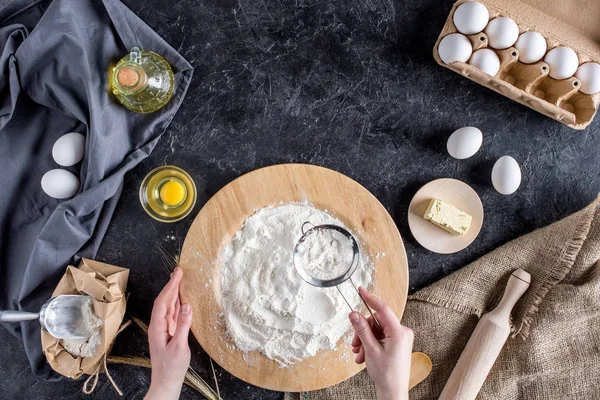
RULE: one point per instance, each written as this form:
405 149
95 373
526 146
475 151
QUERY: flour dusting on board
267 306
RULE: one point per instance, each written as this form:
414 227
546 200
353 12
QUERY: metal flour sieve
61 316
336 280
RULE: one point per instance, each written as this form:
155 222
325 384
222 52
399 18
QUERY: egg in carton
487 53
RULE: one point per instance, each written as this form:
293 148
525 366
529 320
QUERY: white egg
506 175
532 46
486 60
502 33
60 183
589 75
68 149
563 62
455 47
471 17
464 142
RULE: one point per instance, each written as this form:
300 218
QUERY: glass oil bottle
142 81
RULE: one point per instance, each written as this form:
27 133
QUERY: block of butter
448 217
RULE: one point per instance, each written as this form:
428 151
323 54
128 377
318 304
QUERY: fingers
168 295
356 340
364 333
184 322
386 317
177 307
406 338
172 317
172 287
360 357
158 330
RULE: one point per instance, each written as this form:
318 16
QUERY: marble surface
349 85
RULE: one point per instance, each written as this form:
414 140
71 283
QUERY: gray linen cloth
55 57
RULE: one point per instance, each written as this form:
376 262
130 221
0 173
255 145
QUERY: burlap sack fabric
554 352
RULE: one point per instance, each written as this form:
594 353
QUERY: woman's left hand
168 339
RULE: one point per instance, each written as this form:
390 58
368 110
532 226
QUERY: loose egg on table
563 62
455 47
502 33
68 149
464 142
471 17
532 46
60 184
589 75
486 60
506 175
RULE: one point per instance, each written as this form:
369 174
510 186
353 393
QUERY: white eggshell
486 60
471 17
464 142
455 47
563 62
532 46
502 33
589 75
506 175
68 149
60 183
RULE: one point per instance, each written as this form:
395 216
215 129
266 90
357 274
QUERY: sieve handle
17 316
368 308
303 225
364 302
370 312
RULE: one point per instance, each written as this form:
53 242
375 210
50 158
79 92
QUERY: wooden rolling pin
485 343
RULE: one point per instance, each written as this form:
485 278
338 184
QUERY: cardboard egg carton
571 23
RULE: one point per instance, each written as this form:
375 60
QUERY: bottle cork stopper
127 76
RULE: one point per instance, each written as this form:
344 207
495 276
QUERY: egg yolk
172 193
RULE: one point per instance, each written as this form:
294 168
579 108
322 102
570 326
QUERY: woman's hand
168 339
387 354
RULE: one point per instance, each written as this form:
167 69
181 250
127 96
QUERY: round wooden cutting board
222 217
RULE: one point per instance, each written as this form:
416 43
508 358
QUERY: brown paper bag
106 284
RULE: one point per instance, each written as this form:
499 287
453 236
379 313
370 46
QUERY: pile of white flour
86 347
267 305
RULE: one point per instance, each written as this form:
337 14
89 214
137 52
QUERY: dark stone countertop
351 86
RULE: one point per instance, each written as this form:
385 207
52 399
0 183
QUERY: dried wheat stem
192 379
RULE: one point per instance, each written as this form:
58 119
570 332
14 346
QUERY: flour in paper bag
86 347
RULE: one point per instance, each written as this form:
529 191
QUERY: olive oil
142 81
168 194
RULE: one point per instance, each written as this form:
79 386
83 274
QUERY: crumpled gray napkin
55 57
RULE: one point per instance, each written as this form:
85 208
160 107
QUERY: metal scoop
62 316
336 280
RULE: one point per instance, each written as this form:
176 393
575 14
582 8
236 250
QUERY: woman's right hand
387 354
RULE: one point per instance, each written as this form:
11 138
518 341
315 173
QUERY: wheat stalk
169 260
192 379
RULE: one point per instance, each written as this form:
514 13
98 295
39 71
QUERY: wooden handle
420 367
485 343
